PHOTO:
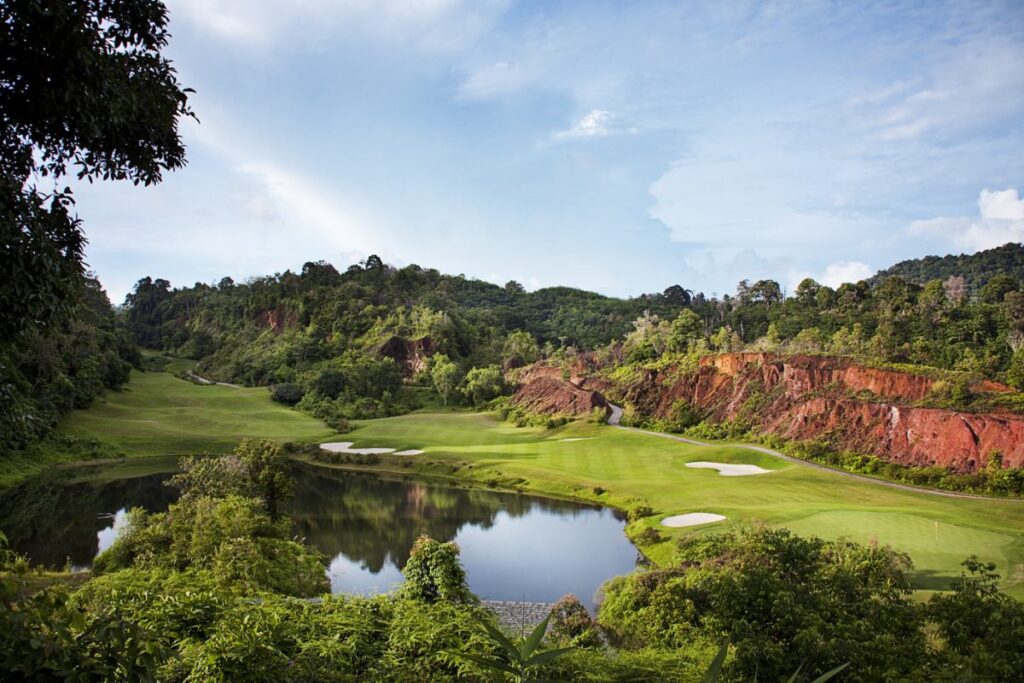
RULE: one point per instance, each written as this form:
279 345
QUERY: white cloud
496 79
432 24
841 272
595 123
1000 220
976 84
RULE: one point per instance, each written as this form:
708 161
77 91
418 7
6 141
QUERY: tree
997 287
520 348
483 384
981 627
268 472
687 327
514 288
256 469
807 292
434 573
1015 374
677 295
446 376
83 83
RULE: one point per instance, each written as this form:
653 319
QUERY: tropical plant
515 660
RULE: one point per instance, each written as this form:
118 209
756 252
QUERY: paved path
203 380
616 417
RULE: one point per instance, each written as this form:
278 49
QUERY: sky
619 147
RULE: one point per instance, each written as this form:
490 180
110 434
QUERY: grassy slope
159 414
938 532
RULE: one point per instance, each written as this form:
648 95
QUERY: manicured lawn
937 532
159 414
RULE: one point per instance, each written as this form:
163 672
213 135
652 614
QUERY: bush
639 511
648 536
287 393
434 573
571 624
785 602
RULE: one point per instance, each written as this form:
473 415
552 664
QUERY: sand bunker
579 438
727 470
692 519
346 447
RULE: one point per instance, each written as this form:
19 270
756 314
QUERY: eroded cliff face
865 410
410 354
546 389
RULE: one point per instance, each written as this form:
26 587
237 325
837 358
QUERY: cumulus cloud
842 272
1000 220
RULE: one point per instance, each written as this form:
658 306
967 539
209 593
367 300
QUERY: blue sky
618 147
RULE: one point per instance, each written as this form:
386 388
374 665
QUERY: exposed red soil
551 395
277 320
855 408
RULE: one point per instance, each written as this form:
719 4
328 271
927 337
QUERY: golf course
161 414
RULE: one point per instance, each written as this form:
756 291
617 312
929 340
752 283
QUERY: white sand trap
727 470
579 438
346 447
692 519
411 451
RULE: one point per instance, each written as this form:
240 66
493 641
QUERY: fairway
938 532
159 414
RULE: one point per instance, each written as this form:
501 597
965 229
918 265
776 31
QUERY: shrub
434 573
572 625
784 601
648 536
639 511
287 393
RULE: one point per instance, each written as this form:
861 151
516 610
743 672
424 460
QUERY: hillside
976 269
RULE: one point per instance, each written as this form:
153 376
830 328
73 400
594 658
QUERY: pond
514 546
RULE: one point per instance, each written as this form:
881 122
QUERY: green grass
159 414
936 531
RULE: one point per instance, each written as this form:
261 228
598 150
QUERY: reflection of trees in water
368 518
51 520
372 520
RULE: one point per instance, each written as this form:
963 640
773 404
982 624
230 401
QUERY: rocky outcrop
410 354
277 320
550 395
856 408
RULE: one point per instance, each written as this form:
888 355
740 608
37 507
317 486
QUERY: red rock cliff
544 389
861 409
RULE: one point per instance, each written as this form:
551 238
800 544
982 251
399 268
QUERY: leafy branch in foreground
518 658
714 672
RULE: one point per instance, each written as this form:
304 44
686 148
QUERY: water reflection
56 523
513 546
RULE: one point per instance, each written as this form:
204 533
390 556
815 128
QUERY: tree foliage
82 83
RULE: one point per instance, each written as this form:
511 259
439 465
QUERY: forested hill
321 313
976 269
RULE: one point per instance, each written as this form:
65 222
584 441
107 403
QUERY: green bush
572 625
433 573
287 393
